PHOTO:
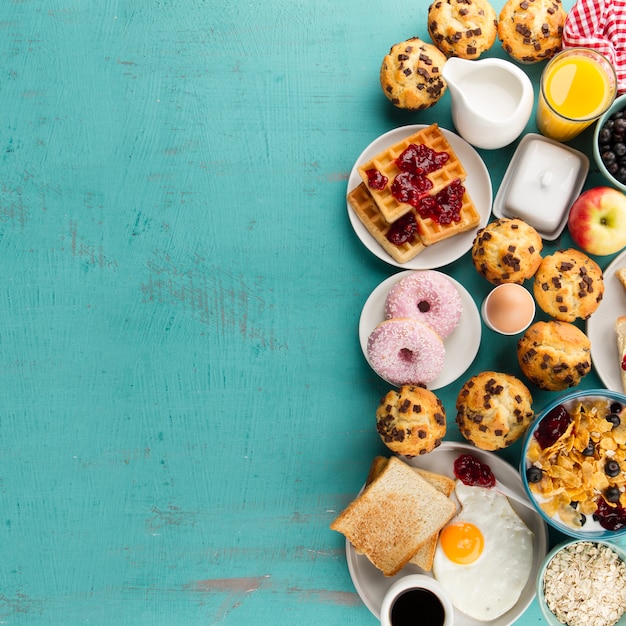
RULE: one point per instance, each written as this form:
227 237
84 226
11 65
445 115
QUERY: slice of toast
393 516
620 333
425 555
376 467
442 483
426 552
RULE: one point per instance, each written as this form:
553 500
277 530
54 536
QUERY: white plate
371 584
601 327
461 344
477 183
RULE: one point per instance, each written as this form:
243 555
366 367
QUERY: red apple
597 220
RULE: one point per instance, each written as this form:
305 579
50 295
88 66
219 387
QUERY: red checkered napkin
600 24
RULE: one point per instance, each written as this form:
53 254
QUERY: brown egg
509 309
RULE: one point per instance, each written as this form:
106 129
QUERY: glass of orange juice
577 86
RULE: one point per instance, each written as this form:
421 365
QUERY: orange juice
577 86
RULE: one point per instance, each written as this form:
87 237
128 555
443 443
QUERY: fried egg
484 555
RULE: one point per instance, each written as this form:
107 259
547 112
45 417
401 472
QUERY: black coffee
417 607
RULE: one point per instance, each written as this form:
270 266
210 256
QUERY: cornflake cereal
576 464
585 585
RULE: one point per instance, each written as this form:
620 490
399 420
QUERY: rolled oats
585 585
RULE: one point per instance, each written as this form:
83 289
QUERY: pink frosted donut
404 351
430 297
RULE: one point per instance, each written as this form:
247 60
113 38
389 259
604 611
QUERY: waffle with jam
401 244
412 195
422 164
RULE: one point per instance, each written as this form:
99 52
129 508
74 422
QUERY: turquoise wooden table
184 405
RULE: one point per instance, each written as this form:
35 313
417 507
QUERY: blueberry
589 450
619 149
620 124
612 494
608 157
615 407
534 474
614 419
611 468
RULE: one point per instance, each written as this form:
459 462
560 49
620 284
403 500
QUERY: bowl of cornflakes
573 464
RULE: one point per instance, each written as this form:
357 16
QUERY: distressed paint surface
184 406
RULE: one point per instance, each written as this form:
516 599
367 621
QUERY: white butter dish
542 181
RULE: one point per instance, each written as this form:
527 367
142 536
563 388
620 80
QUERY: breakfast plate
461 345
371 584
477 183
600 327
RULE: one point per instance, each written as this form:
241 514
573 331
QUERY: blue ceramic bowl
548 615
591 530
618 105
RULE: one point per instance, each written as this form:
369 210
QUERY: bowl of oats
583 583
573 464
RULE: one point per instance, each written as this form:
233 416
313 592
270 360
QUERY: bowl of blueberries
573 464
609 143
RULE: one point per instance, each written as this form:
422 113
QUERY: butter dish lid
542 181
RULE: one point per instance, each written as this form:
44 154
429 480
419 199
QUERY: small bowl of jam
573 464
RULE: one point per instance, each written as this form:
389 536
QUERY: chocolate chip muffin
411 420
410 75
507 251
493 410
554 355
531 30
568 285
462 28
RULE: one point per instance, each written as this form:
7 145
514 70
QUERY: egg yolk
462 542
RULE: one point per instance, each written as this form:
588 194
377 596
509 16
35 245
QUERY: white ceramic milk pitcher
492 100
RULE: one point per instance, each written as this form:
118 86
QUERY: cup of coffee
416 599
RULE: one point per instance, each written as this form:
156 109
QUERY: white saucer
461 345
477 183
601 327
371 584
